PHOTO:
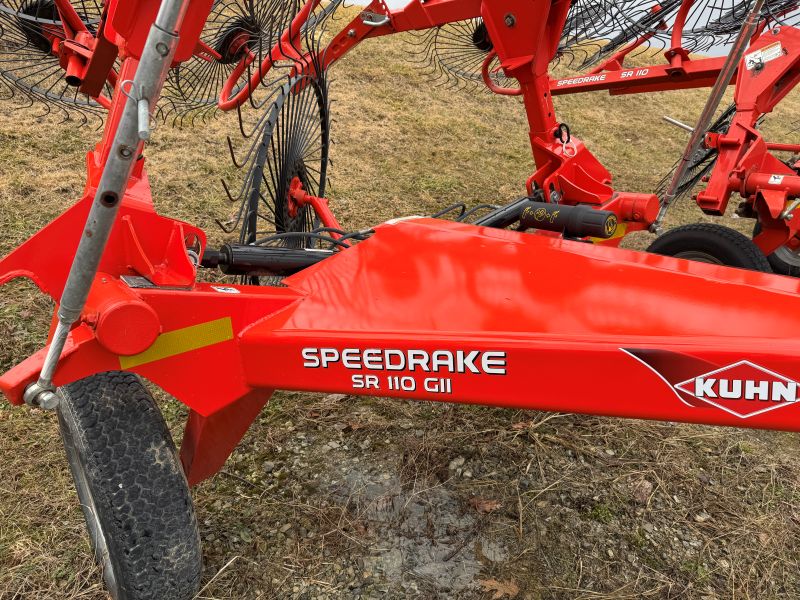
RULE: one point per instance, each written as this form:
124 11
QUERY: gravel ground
375 498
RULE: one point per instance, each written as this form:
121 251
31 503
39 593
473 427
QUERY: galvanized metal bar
712 104
677 123
149 79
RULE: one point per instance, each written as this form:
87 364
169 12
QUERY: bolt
351 33
555 197
39 397
162 48
510 20
47 400
125 151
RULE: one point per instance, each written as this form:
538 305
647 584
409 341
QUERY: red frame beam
696 73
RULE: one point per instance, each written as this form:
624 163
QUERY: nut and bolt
510 20
38 397
48 400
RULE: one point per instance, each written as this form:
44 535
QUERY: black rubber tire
779 266
724 245
132 488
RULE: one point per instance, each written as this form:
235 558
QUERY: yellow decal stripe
183 340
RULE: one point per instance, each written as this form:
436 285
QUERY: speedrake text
413 362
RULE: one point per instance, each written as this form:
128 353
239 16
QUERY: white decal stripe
660 376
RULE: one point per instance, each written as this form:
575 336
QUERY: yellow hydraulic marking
180 341
620 232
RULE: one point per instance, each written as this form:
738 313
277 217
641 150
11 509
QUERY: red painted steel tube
615 62
228 100
778 147
69 17
676 54
487 78
299 197
696 74
755 182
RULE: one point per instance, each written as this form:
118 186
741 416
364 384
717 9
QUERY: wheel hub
237 39
698 256
481 40
293 216
36 21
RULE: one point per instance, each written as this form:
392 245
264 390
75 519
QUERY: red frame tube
288 40
696 73
298 197
677 54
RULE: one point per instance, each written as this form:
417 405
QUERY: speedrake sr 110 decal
406 370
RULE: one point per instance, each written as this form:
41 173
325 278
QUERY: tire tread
735 244
141 495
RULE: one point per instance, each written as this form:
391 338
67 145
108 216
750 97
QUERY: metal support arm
712 104
148 81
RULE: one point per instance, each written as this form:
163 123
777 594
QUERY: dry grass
360 494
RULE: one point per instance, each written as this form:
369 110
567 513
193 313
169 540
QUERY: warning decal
756 60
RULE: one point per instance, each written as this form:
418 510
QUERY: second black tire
776 259
711 243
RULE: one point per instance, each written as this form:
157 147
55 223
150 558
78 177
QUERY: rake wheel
240 31
594 30
233 30
28 31
291 140
453 54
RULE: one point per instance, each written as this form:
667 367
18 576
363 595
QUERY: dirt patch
423 538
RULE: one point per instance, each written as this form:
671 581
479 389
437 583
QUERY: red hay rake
693 341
